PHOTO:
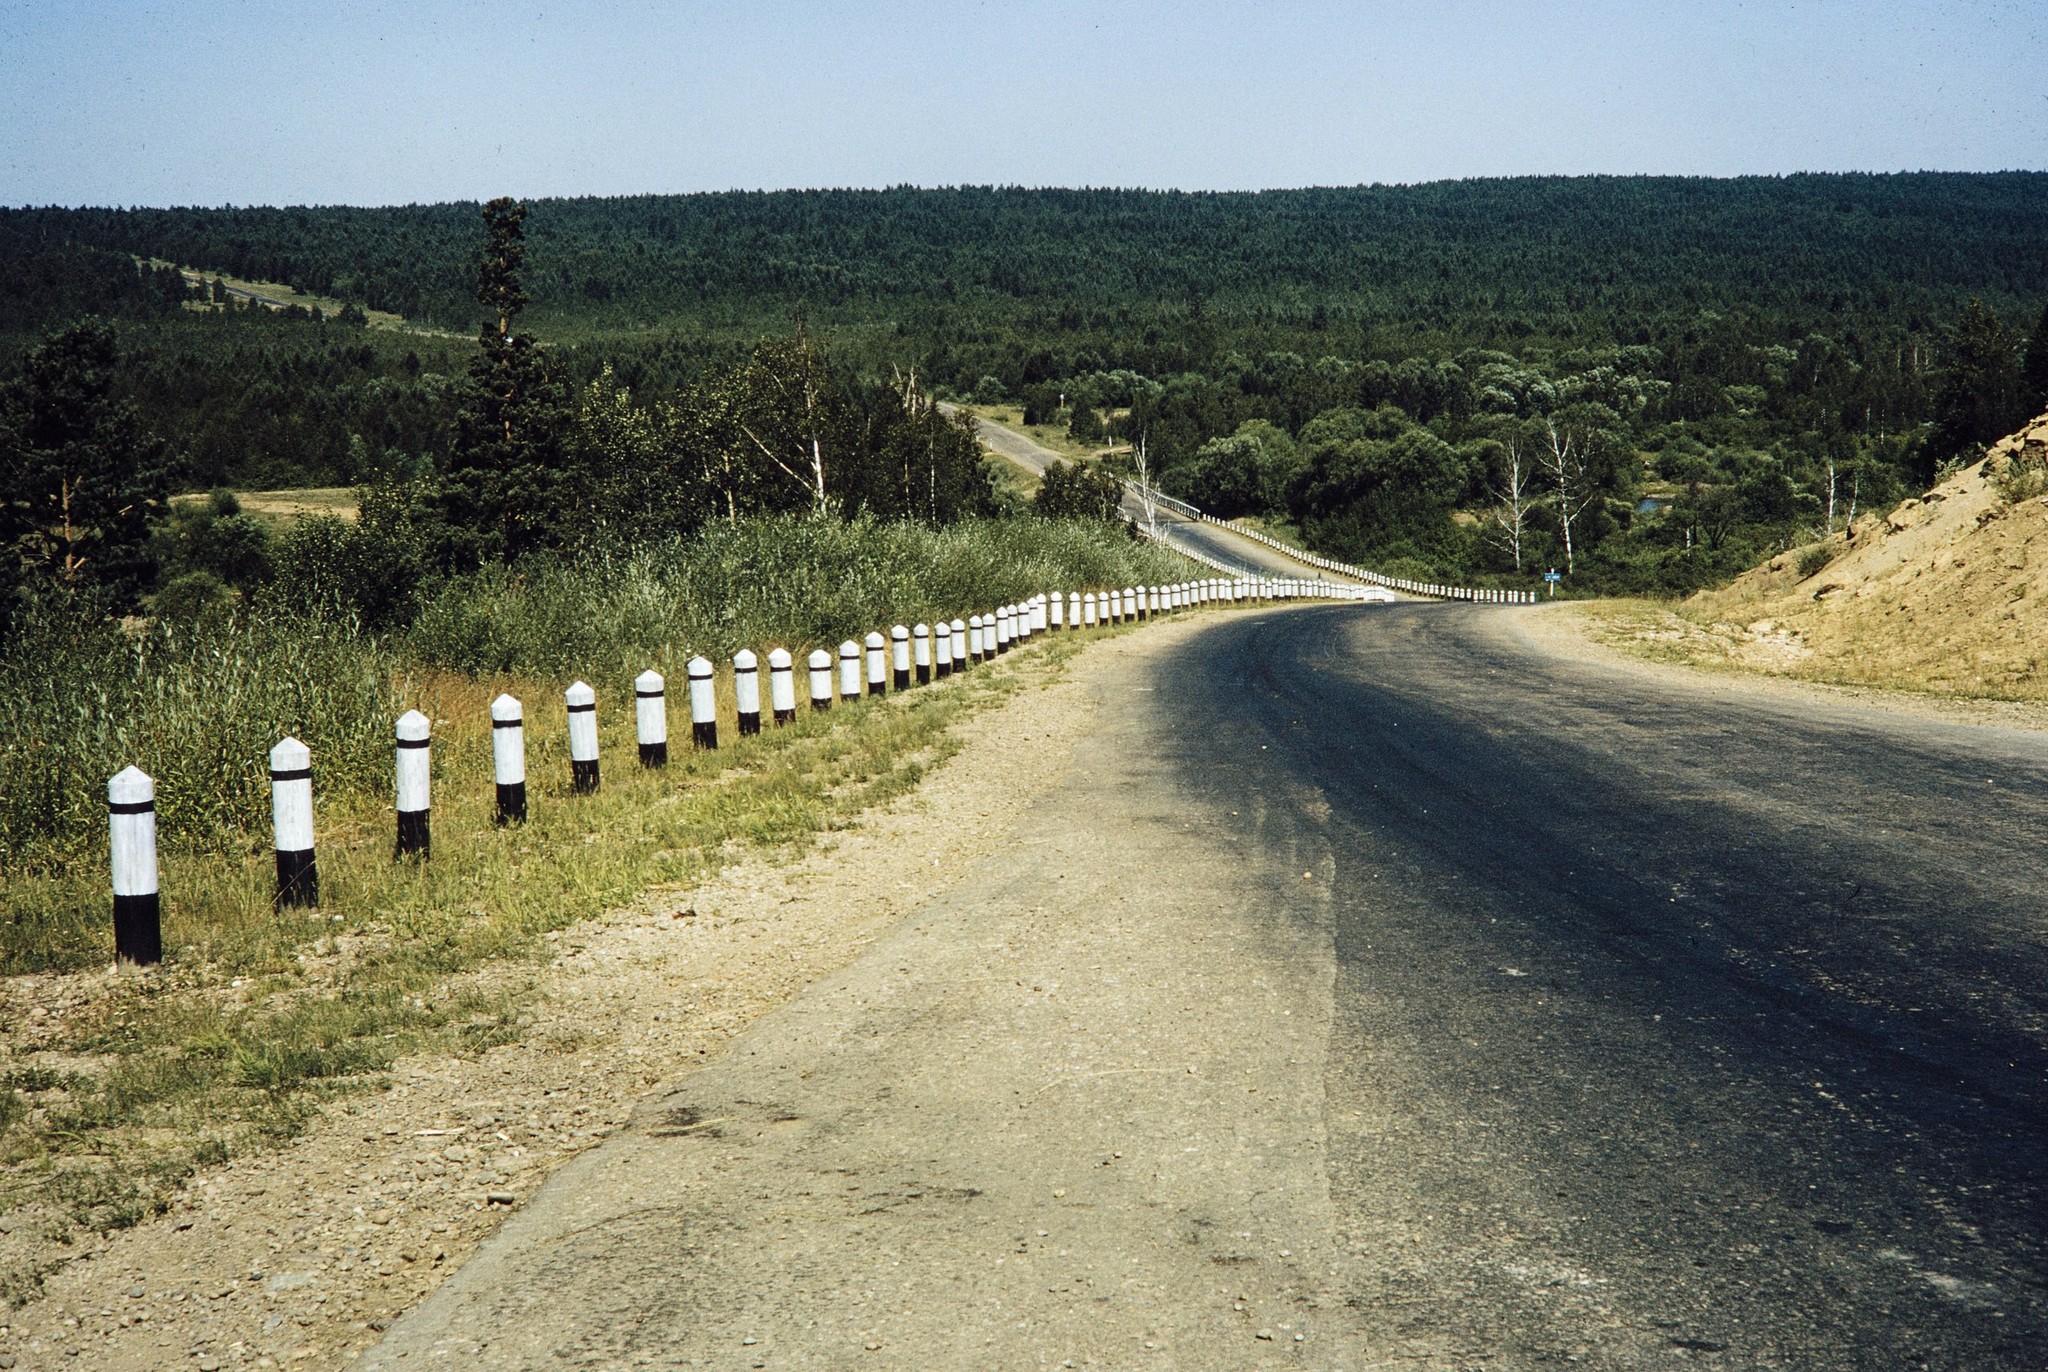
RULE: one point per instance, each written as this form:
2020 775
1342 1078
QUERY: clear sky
187 102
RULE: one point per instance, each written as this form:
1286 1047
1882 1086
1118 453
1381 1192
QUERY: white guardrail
1479 594
893 659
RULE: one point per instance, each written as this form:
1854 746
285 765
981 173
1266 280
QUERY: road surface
1174 528
1375 988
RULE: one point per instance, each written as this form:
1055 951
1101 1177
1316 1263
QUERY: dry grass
1944 596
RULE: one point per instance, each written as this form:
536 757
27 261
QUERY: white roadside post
1073 609
849 670
878 663
291 823
821 679
582 703
921 650
782 685
959 645
508 758
974 638
1056 611
1088 610
1006 631
414 795
899 657
746 691
1040 620
650 717
703 704
131 835
942 650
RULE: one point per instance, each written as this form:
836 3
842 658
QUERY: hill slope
1949 592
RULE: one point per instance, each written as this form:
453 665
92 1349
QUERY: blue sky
125 102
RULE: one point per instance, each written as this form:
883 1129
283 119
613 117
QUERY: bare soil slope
1947 593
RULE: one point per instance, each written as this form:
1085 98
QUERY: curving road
1376 989
1170 526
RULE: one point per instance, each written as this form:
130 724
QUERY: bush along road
1372 985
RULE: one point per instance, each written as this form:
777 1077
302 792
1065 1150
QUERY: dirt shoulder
302 1256
1650 640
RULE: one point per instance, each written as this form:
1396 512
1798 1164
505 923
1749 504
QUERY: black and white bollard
899 657
414 796
746 691
959 645
703 704
291 824
942 650
782 685
1088 611
1055 611
508 758
650 717
849 670
821 679
131 835
1074 610
878 663
582 702
1006 628
974 638
921 650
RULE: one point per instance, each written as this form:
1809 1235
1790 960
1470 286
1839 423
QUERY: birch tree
1513 495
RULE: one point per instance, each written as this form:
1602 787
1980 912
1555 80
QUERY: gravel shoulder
1068 1112
303 1256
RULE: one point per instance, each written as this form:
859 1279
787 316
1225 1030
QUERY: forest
1645 382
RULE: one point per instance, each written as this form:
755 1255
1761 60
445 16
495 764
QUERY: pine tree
507 491
80 478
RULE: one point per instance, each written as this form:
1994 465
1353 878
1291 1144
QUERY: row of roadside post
904 656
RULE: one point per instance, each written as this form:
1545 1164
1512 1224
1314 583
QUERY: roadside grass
120 1084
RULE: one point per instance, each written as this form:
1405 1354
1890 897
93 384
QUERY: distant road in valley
1174 528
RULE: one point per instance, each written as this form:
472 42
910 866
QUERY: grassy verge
120 1084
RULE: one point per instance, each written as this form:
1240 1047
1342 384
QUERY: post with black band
899 657
782 685
650 717
291 824
746 691
921 645
414 795
582 703
508 758
131 834
877 656
703 704
821 679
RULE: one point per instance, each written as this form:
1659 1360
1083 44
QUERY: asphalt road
1686 1025
1216 542
1375 989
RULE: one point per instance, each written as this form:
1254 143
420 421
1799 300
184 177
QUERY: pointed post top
779 658
699 668
579 693
412 725
130 786
290 755
820 658
507 707
649 681
874 638
849 649
745 661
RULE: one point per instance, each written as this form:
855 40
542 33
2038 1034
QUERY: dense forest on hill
1444 377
